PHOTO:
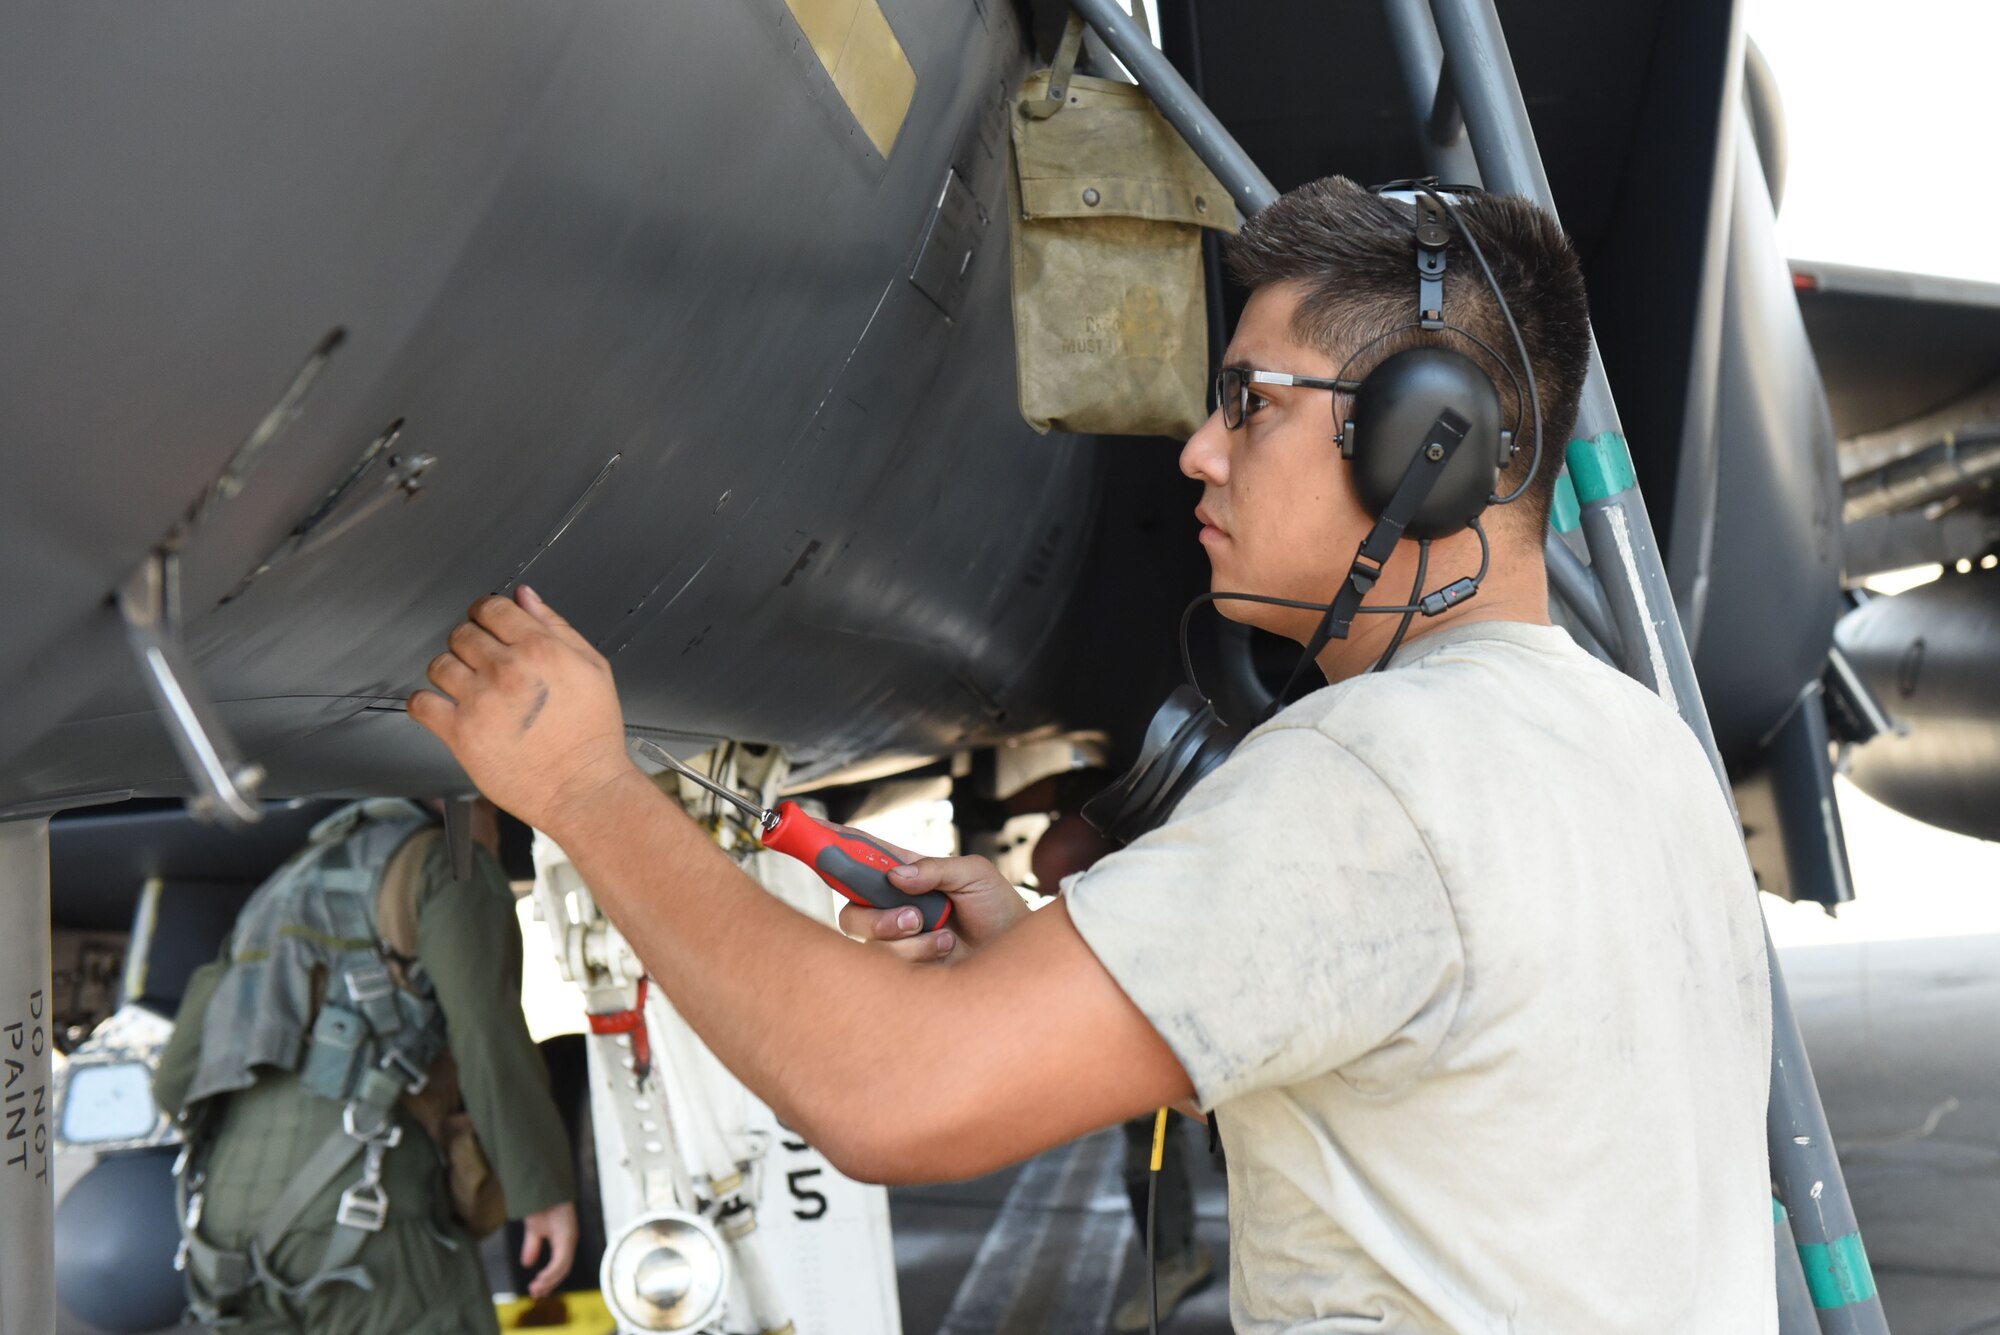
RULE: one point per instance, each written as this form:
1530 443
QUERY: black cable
1520 344
1416 592
1436 190
1202 599
1152 1266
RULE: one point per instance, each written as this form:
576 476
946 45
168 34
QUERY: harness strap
336 1267
222 1274
225 1275
334 1154
1061 70
350 904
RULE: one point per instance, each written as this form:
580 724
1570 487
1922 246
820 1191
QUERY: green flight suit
425 1266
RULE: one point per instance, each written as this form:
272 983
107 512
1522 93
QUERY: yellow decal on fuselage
865 61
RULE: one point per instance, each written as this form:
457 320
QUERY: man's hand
556 1226
983 905
528 707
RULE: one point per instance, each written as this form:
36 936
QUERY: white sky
1910 880
1891 113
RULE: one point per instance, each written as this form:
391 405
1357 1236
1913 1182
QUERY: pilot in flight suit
329 1070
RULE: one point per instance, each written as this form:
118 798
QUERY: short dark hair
1353 253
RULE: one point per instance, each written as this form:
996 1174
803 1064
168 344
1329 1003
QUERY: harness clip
369 982
384 1133
414 1080
364 1206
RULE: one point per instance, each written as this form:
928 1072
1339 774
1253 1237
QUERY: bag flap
1109 153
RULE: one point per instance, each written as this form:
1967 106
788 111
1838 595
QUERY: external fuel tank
1931 656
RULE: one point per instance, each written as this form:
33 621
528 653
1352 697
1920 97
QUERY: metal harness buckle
369 982
364 1206
414 1080
385 1133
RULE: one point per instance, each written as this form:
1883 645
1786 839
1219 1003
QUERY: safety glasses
1232 389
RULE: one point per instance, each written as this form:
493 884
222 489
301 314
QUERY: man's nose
1205 457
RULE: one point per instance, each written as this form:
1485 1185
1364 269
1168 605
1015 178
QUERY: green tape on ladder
1565 514
1600 466
1837 1272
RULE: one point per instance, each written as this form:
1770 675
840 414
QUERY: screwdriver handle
854 865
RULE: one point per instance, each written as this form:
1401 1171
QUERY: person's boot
1179 1276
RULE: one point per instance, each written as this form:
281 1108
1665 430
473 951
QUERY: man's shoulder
1504 666
444 904
1489 700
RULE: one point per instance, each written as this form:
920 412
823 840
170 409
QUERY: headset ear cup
1393 412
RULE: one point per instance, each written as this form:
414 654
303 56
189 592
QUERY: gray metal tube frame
1446 151
1624 553
1654 648
1809 1182
1625 556
1795 1305
1415 37
27 1183
1215 146
1570 580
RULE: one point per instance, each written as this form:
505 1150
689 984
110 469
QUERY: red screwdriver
853 864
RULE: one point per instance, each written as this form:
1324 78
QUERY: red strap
631 1022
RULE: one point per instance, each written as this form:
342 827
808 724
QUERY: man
326 1187
1463 956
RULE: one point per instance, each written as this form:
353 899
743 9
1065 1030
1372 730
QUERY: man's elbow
901 1153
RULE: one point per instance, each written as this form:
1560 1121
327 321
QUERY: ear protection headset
1426 442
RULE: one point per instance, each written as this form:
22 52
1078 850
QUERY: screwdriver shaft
654 751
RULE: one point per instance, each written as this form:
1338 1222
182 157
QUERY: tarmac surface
1904 1037
1046 1248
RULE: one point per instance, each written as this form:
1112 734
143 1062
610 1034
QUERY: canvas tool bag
1110 307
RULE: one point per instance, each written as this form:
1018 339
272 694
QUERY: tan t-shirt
1466 958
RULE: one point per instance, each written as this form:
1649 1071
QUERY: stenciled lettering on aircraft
807 1204
24 1092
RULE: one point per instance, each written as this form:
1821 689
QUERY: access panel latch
225 785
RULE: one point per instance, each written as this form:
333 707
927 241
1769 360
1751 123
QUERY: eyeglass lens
1230 386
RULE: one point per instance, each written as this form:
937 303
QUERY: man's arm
896 1071
470 944
180 1059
